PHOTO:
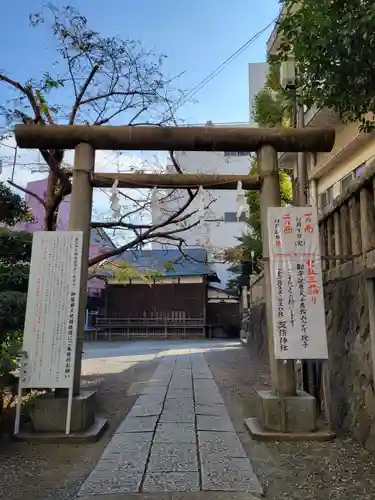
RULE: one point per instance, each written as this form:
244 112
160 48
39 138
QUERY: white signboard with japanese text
52 309
296 283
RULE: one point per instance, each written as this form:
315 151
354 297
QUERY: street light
288 80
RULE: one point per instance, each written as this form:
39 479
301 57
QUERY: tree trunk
50 216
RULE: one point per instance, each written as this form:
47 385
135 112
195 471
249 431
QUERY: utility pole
301 163
14 163
14 158
289 81
309 368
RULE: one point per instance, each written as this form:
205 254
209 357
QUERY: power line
223 65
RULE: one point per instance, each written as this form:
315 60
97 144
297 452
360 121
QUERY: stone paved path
177 437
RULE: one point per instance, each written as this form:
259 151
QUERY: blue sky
197 35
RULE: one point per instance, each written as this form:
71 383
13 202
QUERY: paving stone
138 496
175 433
202 375
182 362
209 392
162 377
214 423
214 409
230 479
147 399
158 381
207 385
182 374
147 388
181 380
148 410
202 398
182 386
157 391
164 366
227 443
187 416
201 370
171 481
138 424
218 462
202 495
99 483
164 372
181 383
179 393
128 443
172 457
135 388
179 405
200 367
130 460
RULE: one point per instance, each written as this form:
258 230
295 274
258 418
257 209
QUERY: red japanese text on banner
296 283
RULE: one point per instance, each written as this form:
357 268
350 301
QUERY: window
346 181
360 169
326 198
232 217
237 153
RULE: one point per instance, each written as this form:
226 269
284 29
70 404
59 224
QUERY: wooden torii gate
85 139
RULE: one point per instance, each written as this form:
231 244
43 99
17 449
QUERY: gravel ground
56 472
338 470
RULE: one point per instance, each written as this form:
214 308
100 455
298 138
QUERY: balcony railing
347 226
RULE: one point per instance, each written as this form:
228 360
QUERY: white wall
257 80
219 234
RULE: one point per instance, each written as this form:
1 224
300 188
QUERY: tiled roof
171 262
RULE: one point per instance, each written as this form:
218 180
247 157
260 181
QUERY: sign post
296 284
50 333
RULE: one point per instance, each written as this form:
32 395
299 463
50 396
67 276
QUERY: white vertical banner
296 282
50 333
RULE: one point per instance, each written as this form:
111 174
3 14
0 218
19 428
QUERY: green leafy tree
334 44
273 106
15 254
251 240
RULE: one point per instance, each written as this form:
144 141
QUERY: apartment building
99 241
220 229
330 174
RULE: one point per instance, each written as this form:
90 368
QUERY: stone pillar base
288 418
288 414
48 413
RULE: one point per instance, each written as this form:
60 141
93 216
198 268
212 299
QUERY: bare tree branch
109 78
30 193
139 239
81 93
179 170
111 94
27 92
